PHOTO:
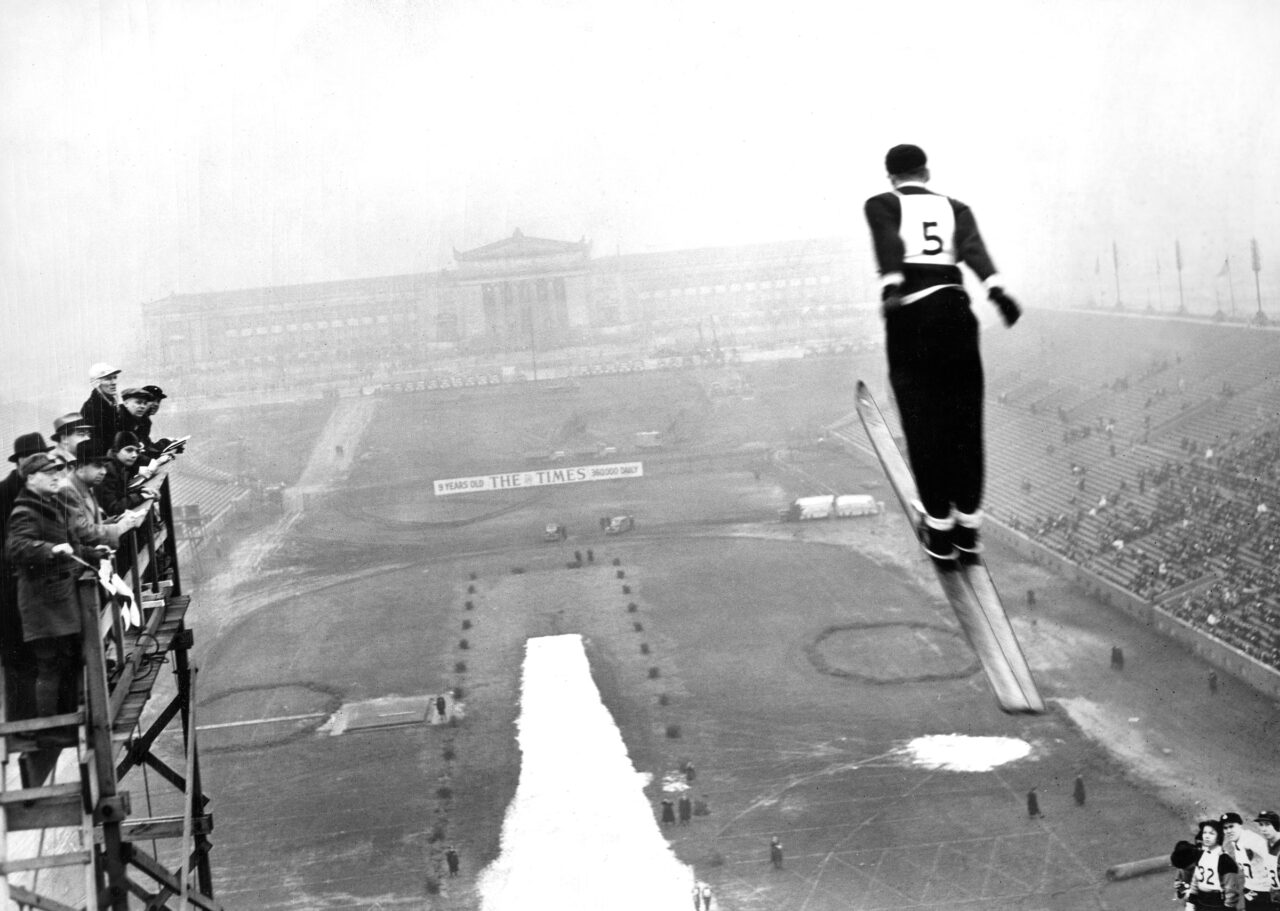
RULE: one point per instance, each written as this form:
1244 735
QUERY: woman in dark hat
1211 877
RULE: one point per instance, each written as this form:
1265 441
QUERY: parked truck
830 506
618 524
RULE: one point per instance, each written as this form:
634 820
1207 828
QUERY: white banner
539 477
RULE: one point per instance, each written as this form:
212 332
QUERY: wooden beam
147 828
151 867
29 725
28 899
53 806
44 862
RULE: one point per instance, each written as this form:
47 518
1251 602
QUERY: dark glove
890 300
1008 307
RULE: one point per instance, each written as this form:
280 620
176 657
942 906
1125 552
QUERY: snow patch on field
963 753
579 829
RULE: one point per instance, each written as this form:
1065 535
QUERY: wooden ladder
38 742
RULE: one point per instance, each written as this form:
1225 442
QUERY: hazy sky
157 146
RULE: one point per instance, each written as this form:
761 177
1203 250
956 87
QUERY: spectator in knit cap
113 493
42 548
69 431
84 513
19 666
100 408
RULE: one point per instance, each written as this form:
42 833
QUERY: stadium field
793 665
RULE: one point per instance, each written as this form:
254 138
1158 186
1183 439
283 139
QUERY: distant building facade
518 294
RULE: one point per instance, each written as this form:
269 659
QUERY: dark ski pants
935 370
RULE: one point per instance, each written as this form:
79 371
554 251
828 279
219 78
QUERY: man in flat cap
100 408
42 547
931 338
156 396
19 664
133 409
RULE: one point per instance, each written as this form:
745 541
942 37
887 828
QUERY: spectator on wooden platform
42 547
84 512
18 660
100 409
114 493
69 431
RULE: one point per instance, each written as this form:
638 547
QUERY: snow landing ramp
580 833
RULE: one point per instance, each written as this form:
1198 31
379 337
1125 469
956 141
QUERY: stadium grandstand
1141 452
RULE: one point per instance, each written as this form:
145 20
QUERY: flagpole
1177 258
1231 286
1257 286
1115 261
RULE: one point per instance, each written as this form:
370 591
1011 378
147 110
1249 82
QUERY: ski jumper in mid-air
931 339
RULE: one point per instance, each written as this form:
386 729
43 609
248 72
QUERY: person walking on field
931 338
1078 791
775 853
684 807
1033 804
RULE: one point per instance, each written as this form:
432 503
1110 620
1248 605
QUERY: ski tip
1024 709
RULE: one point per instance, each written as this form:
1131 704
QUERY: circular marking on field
259 716
894 652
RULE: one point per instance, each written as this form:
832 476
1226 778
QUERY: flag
1257 260
1177 254
1226 267
1115 255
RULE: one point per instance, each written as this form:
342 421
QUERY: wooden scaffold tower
81 843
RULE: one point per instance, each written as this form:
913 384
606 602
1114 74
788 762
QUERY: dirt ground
719 638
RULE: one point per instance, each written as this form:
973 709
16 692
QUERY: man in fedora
19 667
84 512
69 431
100 409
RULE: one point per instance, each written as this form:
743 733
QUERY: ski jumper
920 238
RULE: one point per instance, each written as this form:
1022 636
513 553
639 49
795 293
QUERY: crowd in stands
1163 480
66 505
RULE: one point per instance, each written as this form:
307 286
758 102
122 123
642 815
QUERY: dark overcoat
46 581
